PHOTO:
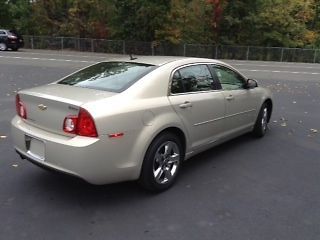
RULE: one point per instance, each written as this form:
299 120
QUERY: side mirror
251 83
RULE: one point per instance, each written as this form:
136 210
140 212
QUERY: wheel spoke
158 173
265 114
168 149
167 174
264 120
174 158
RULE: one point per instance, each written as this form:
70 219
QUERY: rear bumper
96 160
42 165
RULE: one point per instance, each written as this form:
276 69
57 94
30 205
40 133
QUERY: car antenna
132 58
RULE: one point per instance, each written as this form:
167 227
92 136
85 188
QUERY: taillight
20 107
82 125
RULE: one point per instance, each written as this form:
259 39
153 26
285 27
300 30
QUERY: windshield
108 76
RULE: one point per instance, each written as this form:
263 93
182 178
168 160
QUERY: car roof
162 60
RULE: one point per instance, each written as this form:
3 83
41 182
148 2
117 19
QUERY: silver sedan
137 119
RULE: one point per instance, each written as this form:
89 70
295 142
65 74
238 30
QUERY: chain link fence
158 48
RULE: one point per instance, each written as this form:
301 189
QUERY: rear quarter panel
140 120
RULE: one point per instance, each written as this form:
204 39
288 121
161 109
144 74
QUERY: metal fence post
92 45
281 58
184 49
32 42
248 51
62 43
315 56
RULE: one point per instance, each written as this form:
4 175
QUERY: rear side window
192 79
108 76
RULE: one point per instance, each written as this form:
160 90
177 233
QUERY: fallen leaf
15 165
314 130
3 136
275 121
283 124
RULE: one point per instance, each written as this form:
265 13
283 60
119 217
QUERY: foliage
289 23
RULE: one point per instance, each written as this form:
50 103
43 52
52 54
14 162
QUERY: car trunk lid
47 106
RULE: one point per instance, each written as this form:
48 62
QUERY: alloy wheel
166 162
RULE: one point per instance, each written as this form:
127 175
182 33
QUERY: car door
240 102
195 98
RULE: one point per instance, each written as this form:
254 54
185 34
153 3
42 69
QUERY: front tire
162 163
261 125
3 47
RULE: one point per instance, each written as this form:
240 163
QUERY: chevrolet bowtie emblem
42 107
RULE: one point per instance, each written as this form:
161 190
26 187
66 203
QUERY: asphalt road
243 189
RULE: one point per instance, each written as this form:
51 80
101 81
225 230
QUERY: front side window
229 79
192 79
108 76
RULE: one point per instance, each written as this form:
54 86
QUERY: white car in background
137 119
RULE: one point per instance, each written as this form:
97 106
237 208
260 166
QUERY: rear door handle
185 105
230 97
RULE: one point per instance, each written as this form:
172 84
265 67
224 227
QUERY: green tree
20 12
5 19
51 17
285 23
238 22
187 21
139 19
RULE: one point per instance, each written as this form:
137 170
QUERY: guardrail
165 48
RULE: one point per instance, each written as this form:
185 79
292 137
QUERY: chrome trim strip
232 115
196 92
217 119
209 121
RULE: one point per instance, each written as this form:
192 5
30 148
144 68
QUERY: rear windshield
108 76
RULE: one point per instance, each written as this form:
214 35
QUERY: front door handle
230 97
185 105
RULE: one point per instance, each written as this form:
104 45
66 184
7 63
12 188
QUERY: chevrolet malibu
137 119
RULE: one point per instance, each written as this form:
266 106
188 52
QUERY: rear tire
261 125
162 163
3 47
